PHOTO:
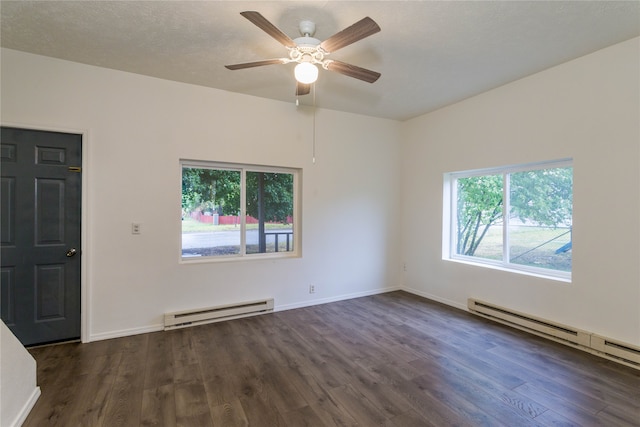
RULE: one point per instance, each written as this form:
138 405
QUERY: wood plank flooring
387 360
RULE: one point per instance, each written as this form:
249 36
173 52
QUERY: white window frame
449 231
243 168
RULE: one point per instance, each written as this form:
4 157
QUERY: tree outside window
516 217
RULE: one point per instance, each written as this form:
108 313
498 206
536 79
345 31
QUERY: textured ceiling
430 53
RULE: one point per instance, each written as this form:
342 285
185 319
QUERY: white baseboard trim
156 328
26 409
436 298
125 332
310 303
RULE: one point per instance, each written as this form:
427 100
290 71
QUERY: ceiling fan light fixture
306 73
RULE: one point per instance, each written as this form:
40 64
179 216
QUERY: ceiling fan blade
302 89
353 71
266 26
361 29
254 64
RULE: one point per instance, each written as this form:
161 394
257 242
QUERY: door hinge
75 169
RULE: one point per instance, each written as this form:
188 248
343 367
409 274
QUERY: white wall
18 390
136 130
587 109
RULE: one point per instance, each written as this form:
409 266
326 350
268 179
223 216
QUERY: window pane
269 212
541 205
210 212
479 217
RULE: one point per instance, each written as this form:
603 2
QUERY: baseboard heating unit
616 349
201 316
588 341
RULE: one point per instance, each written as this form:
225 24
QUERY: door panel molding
7 201
7 294
50 211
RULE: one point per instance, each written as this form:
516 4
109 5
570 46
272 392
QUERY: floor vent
530 323
614 350
201 316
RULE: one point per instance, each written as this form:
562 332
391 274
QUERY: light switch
135 228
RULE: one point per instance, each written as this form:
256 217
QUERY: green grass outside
525 238
190 225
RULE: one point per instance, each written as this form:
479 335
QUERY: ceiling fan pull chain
313 88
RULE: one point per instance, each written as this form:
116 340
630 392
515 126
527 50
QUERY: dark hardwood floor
391 360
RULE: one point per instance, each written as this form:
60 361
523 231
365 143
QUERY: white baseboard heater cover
588 341
616 349
181 319
530 323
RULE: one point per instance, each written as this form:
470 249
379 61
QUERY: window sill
541 275
196 259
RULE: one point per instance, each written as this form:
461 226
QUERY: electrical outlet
312 289
404 266
135 228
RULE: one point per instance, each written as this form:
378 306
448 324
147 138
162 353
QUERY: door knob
71 252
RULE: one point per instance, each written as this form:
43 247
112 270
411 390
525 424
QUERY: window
516 217
232 211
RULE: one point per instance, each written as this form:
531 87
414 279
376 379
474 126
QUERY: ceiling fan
309 52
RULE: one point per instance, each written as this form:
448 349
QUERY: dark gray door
40 234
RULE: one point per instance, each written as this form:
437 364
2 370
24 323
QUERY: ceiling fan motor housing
307 47
307 50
